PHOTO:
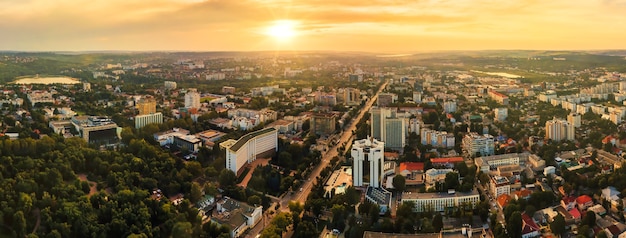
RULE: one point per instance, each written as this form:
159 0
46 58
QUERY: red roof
582 199
575 213
568 200
528 224
446 160
411 166
503 199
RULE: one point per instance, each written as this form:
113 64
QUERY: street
301 195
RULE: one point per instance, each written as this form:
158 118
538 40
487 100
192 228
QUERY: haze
350 25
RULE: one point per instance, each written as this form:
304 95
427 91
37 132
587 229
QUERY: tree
254 200
462 168
196 192
227 178
514 224
399 183
374 213
452 180
438 222
558 225
282 221
589 219
305 229
182 229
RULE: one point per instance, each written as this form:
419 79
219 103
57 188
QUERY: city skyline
253 25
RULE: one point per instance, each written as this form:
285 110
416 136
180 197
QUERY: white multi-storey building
438 202
482 144
192 98
169 85
249 147
373 151
558 130
499 185
449 106
143 120
574 119
501 113
486 163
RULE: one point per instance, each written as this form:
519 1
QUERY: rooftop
249 136
437 195
381 196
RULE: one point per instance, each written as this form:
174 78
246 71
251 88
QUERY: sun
282 30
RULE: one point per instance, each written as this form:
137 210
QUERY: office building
190 143
370 150
262 143
96 129
192 98
385 99
387 127
417 97
558 130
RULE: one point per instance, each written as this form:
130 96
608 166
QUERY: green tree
254 200
182 229
305 229
437 222
227 178
514 224
196 192
399 183
558 225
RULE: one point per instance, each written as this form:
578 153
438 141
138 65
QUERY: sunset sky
350 25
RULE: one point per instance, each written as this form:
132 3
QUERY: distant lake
47 80
501 74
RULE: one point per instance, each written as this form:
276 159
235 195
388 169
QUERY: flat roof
249 136
414 195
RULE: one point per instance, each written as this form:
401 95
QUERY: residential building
529 227
439 202
574 119
169 85
371 150
146 105
228 90
145 119
251 146
449 106
237 216
487 163
499 97
478 145
192 98
323 123
499 185
385 99
501 114
558 130
434 176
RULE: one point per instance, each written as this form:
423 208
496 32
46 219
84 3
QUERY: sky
335 25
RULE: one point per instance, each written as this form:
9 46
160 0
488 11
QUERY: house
575 214
413 172
529 227
611 195
597 209
523 194
503 200
583 202
568 202
237 216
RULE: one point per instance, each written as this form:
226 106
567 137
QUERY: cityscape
381 119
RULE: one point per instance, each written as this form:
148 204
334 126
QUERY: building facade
145 119
439 202
558 130
370 150
192 98
249 147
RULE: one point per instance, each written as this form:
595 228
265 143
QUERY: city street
301 195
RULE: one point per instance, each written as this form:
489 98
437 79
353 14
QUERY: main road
346 137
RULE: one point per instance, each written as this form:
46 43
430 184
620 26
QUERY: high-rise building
449 106
417 96
192 98
387 127
501 113
558 130
258 144
574 119
146 105
384 99
370 150
323 123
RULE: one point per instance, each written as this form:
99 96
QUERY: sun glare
282 30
